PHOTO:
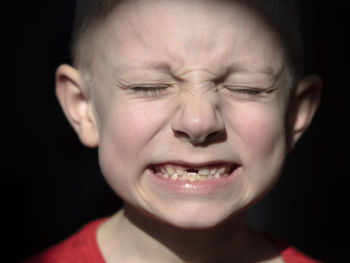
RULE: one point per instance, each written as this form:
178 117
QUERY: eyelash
247 92
150 91
160 90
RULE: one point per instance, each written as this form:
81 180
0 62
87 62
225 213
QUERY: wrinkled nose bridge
197 118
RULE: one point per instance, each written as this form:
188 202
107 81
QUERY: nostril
198 123
214 137
180 134
217 136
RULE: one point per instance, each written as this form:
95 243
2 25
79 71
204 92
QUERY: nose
199 122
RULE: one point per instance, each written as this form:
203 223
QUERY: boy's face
189 87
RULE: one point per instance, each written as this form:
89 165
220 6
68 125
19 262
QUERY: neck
141 235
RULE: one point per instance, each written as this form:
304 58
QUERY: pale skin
187 83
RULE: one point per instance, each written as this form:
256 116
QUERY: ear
74 98
303 107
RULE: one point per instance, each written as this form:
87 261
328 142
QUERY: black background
53 184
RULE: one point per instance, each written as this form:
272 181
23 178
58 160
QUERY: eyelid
248 92
150 89
249 88
150 86
252 92
144 87
243 88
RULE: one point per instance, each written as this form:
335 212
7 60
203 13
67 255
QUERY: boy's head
188 102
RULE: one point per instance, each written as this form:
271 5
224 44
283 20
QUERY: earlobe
76 104
303 107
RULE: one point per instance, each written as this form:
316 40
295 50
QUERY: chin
197 217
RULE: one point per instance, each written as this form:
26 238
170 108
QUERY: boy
193 105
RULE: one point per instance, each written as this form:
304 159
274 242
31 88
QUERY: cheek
127 130
263 138
130 128
127 126
260 129
124 133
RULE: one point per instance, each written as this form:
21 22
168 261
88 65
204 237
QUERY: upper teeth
174 172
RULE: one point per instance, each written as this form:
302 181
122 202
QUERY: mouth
174 172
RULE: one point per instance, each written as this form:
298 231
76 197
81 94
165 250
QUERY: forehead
176 36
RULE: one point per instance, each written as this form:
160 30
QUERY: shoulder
290 254
81 247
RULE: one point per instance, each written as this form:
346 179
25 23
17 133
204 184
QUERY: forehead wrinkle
151 70
134 30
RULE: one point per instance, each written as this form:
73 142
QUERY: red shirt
82 247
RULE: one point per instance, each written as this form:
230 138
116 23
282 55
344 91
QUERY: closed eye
150 90
246 91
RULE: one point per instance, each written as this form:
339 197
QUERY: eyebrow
273 76
251 68
148 65
234 68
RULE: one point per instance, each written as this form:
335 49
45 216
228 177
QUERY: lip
187 187
195 164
